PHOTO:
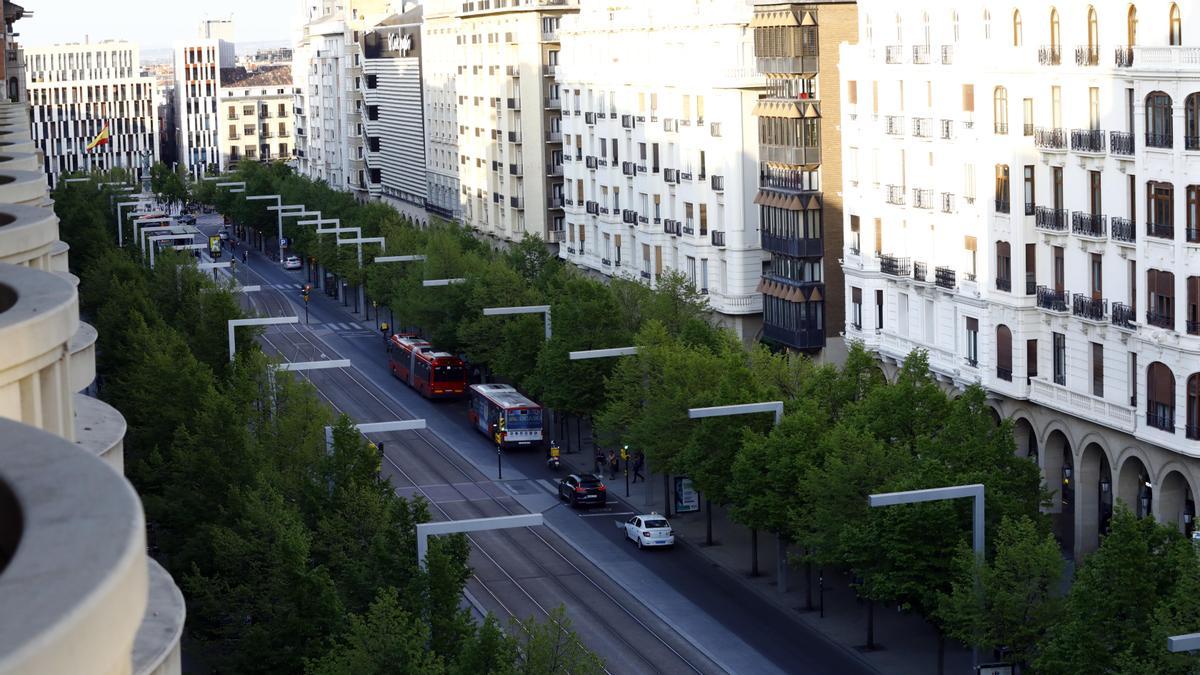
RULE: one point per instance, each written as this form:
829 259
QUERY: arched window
1093 29
1131 26
925 29
1002 189
1160 397
987 24
1000 110
1158 120
899 30
1055 41
1003 353
1192 421
1018 39
1191 121
954 22
1175 38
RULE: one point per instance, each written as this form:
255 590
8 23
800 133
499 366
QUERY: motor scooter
554 461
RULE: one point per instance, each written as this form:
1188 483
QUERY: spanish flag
100 139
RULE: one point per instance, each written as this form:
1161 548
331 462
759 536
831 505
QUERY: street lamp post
278 219
528 309
262 321
470 525
360 297
429 283
775 407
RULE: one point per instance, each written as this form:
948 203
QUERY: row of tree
846 433
293 557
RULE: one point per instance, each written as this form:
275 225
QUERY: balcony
893 266
1002 205
1121 143
922 199
628 216
1123 316
947 129
671 176
629 168
513 104
1160 319
796 247
948 205
718 238
591 162
589 118
1004 284
1052 300
554 137
945 277
554 202
554 169
556 236
922 127
1083 406
789 154
1049 139
1087 55
671 227
895 194
1160 230
1123 57
514 137
627 122
685 175
1164 421
1159 140
1123 230
1000 128
1050 55
1087 140
592 207
893 53
894 125
549 69
516 202
670 125
718 183
920 54
1091 225
920 272
553 103
788 64
1089 308
1053 220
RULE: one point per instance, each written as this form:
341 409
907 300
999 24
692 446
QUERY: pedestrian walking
639 460
244 256
599 462
614 464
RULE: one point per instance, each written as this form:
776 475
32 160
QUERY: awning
783 109
792 202
773 18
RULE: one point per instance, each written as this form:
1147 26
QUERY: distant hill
163 54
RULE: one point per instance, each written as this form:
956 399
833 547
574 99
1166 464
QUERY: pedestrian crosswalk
350 329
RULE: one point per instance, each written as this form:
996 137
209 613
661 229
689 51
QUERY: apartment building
393 142
74 91
327 65
256 114
439 74
1059 141
661 162
800 170
198 64
79 593
500 75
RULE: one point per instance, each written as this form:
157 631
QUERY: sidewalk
905 643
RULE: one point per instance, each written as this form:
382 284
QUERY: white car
223 234
649 530
292 263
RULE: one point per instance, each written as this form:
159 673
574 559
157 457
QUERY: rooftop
267 76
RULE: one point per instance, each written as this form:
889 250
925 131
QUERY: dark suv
582 488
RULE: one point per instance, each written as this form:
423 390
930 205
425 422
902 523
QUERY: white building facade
1022 190
660 160
256 115
198 65
74 91
439 73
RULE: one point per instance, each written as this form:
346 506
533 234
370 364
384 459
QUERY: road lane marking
597 515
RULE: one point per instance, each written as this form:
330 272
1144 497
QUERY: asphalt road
642 611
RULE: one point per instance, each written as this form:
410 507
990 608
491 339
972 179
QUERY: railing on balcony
1123 315
718 238
1002 205
922 199
895 194
1049 139
514 137
1030 284
629 168
718 183
1004 284
514 104
893 266
790 154
947 202
922 127
1159 140
591 161
1160 319
1050 55
1164 421
1000 128
1160 230
1087 307
784 179
516 202
1087 55
894 125
1123 230
920 271
1051 299
1121 143
629 216
1004 373
515 170
1047 218
920 54
554 169
671 175
1123 57
1026 129
592 207
1089 224
1192 234
1087 140
555 202
947 129
671 226
945 277
947 54
893 53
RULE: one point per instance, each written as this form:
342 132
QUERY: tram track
635 643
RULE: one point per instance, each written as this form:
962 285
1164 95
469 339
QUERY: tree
168 186
1016 599
387 639
549 647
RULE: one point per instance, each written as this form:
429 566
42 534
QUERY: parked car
649 529
185 219
583 488
223 234
292 263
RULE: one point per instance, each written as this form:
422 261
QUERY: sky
152 24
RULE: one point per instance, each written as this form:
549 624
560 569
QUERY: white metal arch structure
470 525
528 309
263 321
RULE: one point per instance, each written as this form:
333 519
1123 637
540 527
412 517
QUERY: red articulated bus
432 373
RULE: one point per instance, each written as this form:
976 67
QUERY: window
855 235
879 309
1097 369
1096 261
1030 202
1003 266
1158 120
1027 116
1094 108
878 236
646 261
1192 421
1191 122
1159 210
1004 353
972 341
704 220
1000 110
1056 185
1059 268
968 96
856 308
930 314
1175 37
1160 397
1160 291
1094 192
902 314
1093 33
1030 269
1131 26
1055 34
1017 37
1193 305
703 278
954 24
987 25
1060 358
970 245
1002 188
1031 360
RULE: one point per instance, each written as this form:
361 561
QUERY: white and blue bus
508 409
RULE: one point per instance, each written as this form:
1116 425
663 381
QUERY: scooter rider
554 461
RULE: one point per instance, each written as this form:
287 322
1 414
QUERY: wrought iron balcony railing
1051 299
1087 307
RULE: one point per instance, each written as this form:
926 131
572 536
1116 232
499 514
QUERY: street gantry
527 309
259 321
